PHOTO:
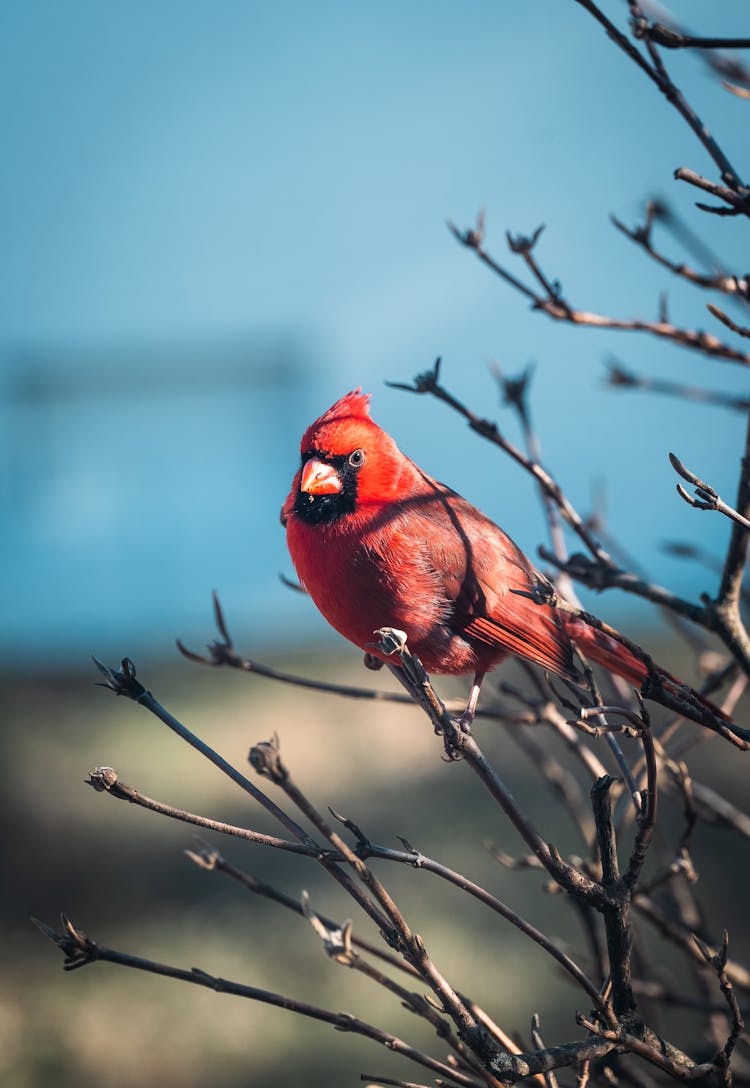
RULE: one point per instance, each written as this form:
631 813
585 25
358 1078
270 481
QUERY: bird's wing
482 568
536 639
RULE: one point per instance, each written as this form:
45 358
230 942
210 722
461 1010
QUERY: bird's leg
464 722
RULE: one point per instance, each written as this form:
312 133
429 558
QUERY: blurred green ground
120 873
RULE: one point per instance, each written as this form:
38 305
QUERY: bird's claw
463 722
391 640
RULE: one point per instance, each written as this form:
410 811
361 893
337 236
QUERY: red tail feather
618 659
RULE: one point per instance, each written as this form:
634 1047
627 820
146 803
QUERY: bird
377 542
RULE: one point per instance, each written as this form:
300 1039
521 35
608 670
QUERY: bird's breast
363 580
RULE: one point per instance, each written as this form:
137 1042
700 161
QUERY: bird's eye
357 458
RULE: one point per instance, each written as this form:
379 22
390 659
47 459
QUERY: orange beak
318 478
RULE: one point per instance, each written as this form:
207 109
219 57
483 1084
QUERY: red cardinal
379 543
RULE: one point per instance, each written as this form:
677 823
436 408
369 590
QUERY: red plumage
379 543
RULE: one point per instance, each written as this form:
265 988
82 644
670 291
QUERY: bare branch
429 382
715 809
647 815
725 610
266 759
653 1050
557 308
641 235
738 92
211 860
741 330
389 1082
337 944
738 202
659 685
515 394
123 681
222 653
106 780
536 1038
707 497
616 911
601 576
514 1067
461 745
718 960
619 377
681 935
79 949
668 38
658 74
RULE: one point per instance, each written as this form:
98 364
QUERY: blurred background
215 222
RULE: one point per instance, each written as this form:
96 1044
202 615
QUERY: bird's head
349 464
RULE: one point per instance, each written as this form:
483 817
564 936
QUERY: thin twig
741 330
123 681
515 392
718 281
536 1038
106 780
210 859
619 377
658 685
266 759
725 609
707 497
681 935
222 653
601 572
79 949
461 745
337 944
657 73
557 308
616 912
647 816
668 38
429 382
718 960
737 204
390 1082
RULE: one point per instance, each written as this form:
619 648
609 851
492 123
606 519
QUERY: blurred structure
136 479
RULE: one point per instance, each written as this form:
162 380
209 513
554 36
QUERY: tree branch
79 950
658 75
617 911
556 307
707 497
266 759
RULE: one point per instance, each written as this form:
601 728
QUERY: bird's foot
463 721
453 743
455 733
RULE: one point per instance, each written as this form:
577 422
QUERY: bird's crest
354 405
336 426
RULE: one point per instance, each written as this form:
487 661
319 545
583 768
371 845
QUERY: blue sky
182 179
